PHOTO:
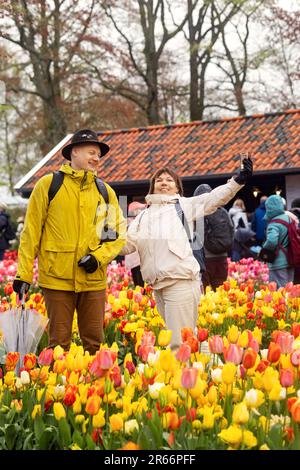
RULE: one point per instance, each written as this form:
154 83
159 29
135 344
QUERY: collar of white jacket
162 198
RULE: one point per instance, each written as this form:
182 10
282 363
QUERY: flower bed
135 394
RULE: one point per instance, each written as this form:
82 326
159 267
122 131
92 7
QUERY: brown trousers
90 308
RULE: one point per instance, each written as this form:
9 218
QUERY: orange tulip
184 352
29 361
11 360
186 333
295 411
274 352
93 405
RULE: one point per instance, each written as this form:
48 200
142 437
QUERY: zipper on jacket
96 213
83 180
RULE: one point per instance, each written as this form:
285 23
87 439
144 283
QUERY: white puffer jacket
160 238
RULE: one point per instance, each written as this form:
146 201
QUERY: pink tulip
215 344
144 350
285 341
295 357
189 377
103 361
233 354
184 352
148 338
254 345
46 357
286 377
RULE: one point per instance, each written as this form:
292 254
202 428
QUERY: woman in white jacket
167 261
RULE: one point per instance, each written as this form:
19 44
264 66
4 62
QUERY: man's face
85 157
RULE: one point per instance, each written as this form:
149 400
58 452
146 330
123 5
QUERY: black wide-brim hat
84 136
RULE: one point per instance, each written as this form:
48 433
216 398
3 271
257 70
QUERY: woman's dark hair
173 175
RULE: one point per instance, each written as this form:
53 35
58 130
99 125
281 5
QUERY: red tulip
202 334
295 329
29 361
194 343
249 358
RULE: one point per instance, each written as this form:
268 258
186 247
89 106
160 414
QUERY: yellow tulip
233 334
198 389
58 351
232 435
9 378
99 419
164 337
77 405
240 414
243 340
167 360
116 422
37 410
249 439
228 373
79 419
59 411
212 394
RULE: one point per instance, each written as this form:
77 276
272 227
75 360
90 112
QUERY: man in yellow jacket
66 236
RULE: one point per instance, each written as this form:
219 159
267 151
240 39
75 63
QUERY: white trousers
178 305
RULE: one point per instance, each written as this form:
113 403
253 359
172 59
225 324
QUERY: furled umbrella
22 329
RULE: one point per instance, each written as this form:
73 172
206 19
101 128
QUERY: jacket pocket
59 260
179 247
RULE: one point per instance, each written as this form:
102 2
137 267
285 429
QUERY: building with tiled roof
200 151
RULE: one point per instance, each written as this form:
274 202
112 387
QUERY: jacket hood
274 207
201 189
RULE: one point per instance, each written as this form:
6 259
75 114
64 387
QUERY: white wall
292 186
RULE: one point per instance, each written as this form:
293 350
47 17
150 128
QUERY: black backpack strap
102 189
181 216
57 181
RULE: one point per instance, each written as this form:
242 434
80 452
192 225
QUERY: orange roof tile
196 148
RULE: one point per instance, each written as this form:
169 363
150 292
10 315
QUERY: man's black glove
246 172
20 287
89 263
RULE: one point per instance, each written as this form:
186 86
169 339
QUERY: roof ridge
194 123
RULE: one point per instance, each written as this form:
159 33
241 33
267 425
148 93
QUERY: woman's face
164 184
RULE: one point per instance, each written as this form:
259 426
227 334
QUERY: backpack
293 251
198 253
57 180
219 232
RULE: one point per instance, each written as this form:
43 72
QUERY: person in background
66 236
20 222
238 214
259 224
295 210
220 229
239 219
159 236
277 234
132 261
4 225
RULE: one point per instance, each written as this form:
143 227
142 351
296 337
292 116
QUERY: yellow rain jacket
68 229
